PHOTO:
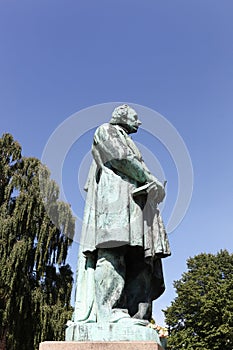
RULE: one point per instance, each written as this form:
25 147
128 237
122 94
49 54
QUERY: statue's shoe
133 322
122 316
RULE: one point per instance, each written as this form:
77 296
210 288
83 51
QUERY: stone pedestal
123 345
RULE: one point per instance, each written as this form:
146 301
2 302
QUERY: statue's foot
122 315
119 314
134 322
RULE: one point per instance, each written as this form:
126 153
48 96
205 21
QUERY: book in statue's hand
144 189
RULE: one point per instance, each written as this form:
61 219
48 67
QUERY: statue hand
161 192
159 188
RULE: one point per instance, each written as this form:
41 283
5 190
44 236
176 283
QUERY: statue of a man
123 237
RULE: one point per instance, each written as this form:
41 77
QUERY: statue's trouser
122 281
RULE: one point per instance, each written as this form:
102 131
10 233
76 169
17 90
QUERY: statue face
132 122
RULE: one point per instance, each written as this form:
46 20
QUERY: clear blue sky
176 57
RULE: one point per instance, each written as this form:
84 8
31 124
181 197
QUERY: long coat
113 216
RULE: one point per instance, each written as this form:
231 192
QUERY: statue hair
120 114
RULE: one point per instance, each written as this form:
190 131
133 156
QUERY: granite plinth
124 345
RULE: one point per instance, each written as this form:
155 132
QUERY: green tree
35 283
201 316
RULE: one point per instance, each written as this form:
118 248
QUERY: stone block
123 345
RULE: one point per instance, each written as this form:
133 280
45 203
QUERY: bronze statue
123 237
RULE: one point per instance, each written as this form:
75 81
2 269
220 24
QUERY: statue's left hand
161 192
159 189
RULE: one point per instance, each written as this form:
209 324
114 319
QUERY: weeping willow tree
35 283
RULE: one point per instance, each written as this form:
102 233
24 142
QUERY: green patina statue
123 239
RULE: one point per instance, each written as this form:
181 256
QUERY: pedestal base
128 345
110 332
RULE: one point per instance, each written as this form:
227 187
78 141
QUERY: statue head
127 117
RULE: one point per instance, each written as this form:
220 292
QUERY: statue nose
139 122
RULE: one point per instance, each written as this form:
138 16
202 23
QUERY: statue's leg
109 281
138 285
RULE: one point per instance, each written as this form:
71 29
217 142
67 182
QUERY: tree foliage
35 283
201 316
